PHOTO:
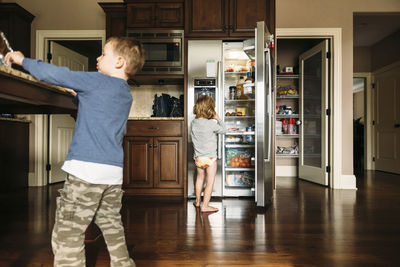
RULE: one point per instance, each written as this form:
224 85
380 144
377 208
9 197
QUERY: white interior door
313 152
387 120
62 126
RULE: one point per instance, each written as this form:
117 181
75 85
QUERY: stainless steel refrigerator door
199 52
264 185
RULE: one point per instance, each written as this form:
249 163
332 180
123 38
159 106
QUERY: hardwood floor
307 225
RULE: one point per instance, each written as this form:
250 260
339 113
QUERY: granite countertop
156 118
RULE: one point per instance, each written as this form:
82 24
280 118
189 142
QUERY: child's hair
131 50
204 107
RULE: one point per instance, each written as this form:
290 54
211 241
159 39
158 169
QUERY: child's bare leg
210 172
199 185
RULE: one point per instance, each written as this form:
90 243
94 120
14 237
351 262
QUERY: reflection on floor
307 225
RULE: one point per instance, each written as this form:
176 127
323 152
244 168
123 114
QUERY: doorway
336 179
88 43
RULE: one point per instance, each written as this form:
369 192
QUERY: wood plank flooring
307 225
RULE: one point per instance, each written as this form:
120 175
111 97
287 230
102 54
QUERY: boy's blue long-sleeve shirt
104 103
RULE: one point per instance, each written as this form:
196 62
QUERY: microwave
164 50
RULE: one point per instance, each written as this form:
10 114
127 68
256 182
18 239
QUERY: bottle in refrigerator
284 126
240 89
232 92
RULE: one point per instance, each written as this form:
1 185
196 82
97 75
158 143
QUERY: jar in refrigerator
249 139
232 92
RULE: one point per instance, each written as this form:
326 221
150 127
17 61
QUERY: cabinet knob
154 128
155 146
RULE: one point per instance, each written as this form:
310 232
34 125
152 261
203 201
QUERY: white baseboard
348 182
286 171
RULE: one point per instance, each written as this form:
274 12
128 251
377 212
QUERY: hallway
308 225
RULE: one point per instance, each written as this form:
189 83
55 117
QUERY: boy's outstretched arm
17 57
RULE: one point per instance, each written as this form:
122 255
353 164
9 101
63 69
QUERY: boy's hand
72 92
14 57
217 117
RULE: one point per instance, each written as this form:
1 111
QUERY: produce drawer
154 128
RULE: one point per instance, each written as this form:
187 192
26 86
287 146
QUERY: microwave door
163 52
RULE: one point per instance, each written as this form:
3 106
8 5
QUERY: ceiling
370 28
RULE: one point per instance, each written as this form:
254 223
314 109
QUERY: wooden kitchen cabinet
15 22
115 18
227 18
155 14
153 158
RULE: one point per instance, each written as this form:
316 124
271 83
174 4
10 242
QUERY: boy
94 162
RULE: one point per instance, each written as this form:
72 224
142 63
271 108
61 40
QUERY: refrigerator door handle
219 101
267 144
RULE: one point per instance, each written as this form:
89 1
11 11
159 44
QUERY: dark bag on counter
161 106
167 106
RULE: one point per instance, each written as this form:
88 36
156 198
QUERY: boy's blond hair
204 107
131 50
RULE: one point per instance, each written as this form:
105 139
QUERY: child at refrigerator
94 164
205 128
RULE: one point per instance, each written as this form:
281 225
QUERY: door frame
336 179
38 129
369 139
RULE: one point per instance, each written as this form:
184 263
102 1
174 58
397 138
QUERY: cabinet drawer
154 128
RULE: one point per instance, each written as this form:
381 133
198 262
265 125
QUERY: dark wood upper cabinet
155 15
206 18
227 18
15 22
115 18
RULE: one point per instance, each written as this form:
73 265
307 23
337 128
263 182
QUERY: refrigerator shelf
235 73
239 133
287 135
238 145
239 100
239 186
287 96
287 76
233 169
287 155
239 117
284 116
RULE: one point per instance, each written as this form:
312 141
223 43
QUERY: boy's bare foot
197 205
208 209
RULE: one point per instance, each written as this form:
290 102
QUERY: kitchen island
21 93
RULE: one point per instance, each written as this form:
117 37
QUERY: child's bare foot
208 209
196 204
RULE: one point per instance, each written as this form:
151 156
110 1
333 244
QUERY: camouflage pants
78 204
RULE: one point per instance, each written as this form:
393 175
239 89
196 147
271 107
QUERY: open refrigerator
244 152
238 154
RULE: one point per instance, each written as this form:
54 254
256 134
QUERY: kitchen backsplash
143 98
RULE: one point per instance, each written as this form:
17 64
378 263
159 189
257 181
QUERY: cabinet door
169 15
206 18
168 162
115 18
138 167
141 15
244 15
